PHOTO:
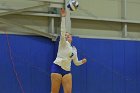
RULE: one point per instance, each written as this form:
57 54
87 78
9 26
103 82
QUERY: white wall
99 11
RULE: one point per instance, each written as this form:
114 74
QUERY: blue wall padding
118 66
130 66
113 65
138 68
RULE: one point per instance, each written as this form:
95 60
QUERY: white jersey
66 53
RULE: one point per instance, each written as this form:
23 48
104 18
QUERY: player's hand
63 13
84 60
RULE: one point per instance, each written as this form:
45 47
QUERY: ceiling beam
21 10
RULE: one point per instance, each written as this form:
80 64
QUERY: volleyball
72 5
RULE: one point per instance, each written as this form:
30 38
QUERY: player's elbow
77 63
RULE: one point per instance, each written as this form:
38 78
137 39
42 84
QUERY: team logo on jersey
72 54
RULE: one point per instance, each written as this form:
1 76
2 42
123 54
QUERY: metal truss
49 3
29 30
60 4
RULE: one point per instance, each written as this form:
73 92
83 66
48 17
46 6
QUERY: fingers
84 60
